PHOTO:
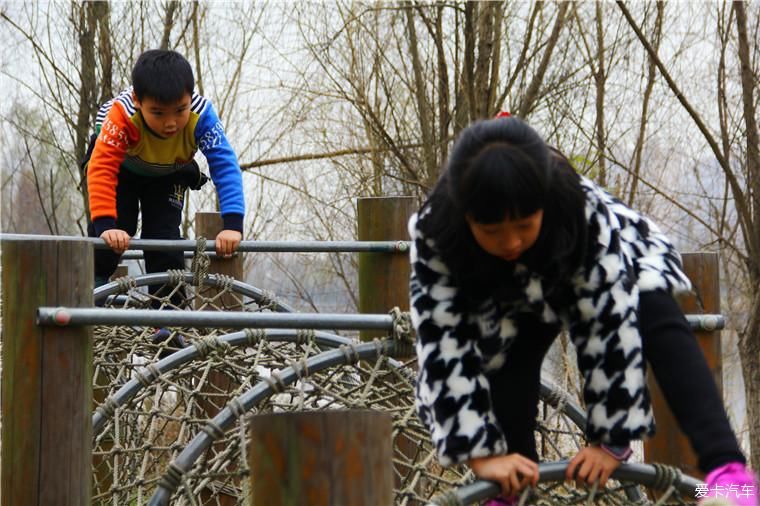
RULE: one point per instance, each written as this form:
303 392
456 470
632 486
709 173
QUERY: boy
142 158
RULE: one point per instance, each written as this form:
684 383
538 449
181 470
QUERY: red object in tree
503 114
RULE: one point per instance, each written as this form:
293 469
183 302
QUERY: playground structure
147 424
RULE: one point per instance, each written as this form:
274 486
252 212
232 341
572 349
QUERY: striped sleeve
117 133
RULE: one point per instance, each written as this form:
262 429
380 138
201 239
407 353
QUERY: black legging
675 359
686 381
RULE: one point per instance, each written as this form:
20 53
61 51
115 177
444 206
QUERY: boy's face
165 119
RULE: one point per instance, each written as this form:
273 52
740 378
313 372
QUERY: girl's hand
592 464
117 240
227 242
513 472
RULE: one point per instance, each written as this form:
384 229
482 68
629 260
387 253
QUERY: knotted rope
200 263
402 332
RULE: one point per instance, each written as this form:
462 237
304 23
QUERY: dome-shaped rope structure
156 400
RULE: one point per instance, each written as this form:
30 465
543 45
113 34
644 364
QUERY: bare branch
739 196
529 99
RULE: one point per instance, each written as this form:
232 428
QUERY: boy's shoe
731 484
176 341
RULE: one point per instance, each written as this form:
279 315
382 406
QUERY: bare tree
743 180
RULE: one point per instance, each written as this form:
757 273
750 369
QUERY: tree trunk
749 343
171 8
105 51
87 87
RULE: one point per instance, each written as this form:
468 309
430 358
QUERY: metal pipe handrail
62 316
642 474
116 287
244 247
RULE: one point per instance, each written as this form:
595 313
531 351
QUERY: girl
511 247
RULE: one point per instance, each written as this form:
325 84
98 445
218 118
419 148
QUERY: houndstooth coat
457 349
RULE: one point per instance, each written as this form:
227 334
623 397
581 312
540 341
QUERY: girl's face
507 239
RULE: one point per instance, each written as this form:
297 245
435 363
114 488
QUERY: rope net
141 436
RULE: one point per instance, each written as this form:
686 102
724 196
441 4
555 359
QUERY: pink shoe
733 483
502 501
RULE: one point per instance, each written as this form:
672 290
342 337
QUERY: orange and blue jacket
124 142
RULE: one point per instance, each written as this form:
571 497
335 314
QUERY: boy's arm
223 167
115 136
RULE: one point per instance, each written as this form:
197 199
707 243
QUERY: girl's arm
605 332
626 253
453 395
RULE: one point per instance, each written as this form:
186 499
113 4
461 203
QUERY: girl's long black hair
501 168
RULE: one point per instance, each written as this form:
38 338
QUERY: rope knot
402 325
125 283
255 335
200 263
176 276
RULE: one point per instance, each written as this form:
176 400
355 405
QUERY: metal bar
101 293
245 246
707 322
643 474
138 255
63 316
97 316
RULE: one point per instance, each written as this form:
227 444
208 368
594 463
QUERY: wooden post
208 225
321 458
47 375
102 474
670 446
383 277
383 285
121 270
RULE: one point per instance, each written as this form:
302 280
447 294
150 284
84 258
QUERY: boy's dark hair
162 75
501 168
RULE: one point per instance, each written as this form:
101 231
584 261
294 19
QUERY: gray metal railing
643 474
245 246
63 316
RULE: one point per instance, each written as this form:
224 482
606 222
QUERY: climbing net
154 401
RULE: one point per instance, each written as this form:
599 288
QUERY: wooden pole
383 277
327 458
669 445
46 376
383 285
208 225
121 270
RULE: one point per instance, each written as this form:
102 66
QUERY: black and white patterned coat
456 349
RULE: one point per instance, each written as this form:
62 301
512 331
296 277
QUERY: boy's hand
117 239
227 242
513 472
593 464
